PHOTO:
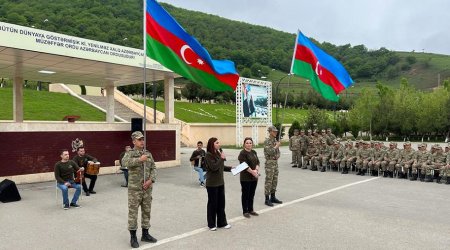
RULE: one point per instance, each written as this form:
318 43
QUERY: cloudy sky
402 25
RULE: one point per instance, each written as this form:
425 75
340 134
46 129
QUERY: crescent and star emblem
318 70
182 51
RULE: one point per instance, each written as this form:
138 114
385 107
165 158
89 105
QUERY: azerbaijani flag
326 74
169 44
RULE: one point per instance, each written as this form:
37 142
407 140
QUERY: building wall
33 148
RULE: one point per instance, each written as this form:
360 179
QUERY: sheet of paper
239 168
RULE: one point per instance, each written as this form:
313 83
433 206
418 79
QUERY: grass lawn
222 113
47 106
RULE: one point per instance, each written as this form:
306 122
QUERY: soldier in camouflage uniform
444 172
377 160
295 147
422 162
330 137
407 156
363 157
337 155
141 176
311 154
391 158
324 156
349 157
303 146
271 153
438 160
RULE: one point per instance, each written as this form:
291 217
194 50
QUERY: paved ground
320 211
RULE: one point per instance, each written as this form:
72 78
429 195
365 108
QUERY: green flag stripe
170 60
305 70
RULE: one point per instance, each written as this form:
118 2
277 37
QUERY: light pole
276 93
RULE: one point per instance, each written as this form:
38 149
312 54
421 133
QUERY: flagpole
144 33
284 108
295 50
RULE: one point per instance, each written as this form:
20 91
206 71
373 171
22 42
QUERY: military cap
309 131
367 142
407 143
329 129
392 143
349 142
137 135
272 128
323 131
302 131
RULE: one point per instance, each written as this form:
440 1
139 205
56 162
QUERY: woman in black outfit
249 177
215 185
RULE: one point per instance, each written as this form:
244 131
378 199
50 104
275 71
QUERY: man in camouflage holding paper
141 176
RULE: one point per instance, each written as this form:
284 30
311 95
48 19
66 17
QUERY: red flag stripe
303 53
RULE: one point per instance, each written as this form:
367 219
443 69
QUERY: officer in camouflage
142 175
391 158
349 157
295 147
311 153
438 160
421 163
271 153
407 156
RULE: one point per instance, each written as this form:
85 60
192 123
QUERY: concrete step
119 109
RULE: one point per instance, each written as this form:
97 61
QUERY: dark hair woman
249 177
215 185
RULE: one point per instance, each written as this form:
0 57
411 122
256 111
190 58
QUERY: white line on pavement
265 210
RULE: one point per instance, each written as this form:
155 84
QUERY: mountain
256 50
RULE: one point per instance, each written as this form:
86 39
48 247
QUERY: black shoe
124 185
438 180
66 206
92 192
147 237
254 213
133 239
247 215
322 169
294 166
88 193
359 172
268 202
447 182
274 199
75 205
428 178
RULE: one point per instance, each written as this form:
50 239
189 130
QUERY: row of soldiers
319 150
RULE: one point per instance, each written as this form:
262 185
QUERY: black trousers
248 195
91 185
216 207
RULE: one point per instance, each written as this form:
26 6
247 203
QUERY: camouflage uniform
407 156
137 196
303 144
438 160
391 158
295 147
311 154
422 162
377 160
349 158
337 155
271 166
445 171
363 157
324 156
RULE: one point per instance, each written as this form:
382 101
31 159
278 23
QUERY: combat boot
268 202
448 180
428 178
133 241
344 171
322 169
422 177
438 180
147 237
413 177
274 199
363 172
359 172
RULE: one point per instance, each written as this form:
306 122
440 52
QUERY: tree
316 118
295 125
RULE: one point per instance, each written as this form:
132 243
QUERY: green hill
256 53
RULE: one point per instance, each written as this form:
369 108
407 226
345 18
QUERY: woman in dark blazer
215 185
